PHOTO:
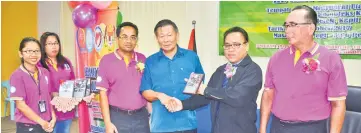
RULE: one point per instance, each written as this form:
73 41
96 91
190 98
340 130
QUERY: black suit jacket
237 102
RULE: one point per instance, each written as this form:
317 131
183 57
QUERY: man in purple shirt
119 75
305 83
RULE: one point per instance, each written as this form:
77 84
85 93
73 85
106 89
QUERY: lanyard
37 84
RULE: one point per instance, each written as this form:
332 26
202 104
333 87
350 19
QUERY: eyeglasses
52 44
233 46
30 52
132 38
292 24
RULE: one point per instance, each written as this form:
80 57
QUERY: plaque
193 83
66 89
80 88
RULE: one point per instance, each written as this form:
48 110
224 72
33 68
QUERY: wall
146 14
49 17
18 20
67 32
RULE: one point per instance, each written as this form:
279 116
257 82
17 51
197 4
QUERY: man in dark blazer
232 89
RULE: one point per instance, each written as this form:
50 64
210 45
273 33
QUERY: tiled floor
8 126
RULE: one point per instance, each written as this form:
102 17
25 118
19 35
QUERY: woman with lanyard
29 89
60 69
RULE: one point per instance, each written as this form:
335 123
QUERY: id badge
42 106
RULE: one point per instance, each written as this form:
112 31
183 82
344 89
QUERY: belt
129 112
299 122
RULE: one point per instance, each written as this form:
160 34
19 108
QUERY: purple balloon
85 16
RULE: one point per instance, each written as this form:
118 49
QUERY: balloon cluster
85 12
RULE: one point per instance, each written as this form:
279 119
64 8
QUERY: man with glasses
119 75
305 83
232 89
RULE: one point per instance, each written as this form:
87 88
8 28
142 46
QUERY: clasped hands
48 126
173 104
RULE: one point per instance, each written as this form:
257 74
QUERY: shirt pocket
184 70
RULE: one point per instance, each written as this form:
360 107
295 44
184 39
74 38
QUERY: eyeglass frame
36 52
124 38
53 44
293 24
234 46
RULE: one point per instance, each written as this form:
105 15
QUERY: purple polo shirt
56 78
301 96
24 88
121 82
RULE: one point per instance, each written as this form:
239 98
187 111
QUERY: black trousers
279 126
29 128
135 122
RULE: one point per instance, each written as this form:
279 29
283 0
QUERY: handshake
171 103
174 104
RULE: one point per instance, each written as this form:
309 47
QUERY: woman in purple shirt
60 69
29 89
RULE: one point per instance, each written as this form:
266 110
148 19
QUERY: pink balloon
101 4
85 16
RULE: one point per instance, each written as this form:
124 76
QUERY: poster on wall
91 44
338 28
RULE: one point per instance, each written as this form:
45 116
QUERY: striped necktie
224 85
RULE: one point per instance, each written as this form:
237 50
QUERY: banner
338 27
91 45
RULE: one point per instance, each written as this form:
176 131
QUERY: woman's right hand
110 128
45 125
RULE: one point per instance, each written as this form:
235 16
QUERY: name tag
42 106
66 66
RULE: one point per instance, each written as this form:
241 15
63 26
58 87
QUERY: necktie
224 85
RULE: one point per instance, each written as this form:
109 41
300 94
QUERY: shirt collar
134 56
235 64
312 51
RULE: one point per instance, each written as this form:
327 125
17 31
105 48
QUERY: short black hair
236 29
165 22
120 26
311 14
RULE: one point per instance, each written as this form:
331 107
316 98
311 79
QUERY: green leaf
119 18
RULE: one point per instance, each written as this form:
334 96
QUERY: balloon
98 38
85 16
100 4
113 5
73 4
80 39
89 39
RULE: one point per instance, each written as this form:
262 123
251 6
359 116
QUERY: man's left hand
174 105
201 89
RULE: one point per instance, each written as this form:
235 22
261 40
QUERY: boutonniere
140 66
311 64
229 70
